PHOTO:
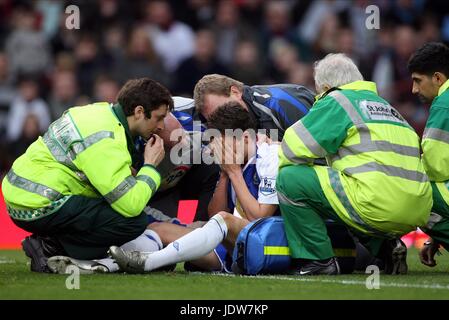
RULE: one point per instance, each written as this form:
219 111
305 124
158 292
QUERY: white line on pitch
7 261
345 282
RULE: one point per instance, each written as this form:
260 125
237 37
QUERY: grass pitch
17 282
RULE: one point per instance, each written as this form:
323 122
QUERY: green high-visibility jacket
377 182
435 142
85 152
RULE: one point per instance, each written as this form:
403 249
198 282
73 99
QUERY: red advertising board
11 236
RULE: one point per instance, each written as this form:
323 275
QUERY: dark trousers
438 225
86 227
198 184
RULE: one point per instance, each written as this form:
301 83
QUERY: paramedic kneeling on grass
375 182
74 188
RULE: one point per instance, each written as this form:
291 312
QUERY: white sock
149 241
193 245
109 263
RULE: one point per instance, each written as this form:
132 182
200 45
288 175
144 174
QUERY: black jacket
278 106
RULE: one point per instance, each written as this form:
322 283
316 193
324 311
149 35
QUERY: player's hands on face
216 147
154 150
216 151
233 156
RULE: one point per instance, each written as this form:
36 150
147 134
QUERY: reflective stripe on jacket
376 180
85 152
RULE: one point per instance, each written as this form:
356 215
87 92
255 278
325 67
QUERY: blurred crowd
46 68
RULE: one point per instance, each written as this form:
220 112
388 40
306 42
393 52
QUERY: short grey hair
335 70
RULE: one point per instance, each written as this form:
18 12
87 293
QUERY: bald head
172 124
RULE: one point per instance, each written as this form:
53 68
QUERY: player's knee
156 226
163 231
230 220
226 216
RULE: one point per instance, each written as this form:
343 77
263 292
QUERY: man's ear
439 78
234 91
139 112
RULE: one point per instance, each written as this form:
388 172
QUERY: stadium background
46 68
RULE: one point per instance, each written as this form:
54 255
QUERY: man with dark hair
231 116
272 107
429 68
145 92
75 188
237 199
